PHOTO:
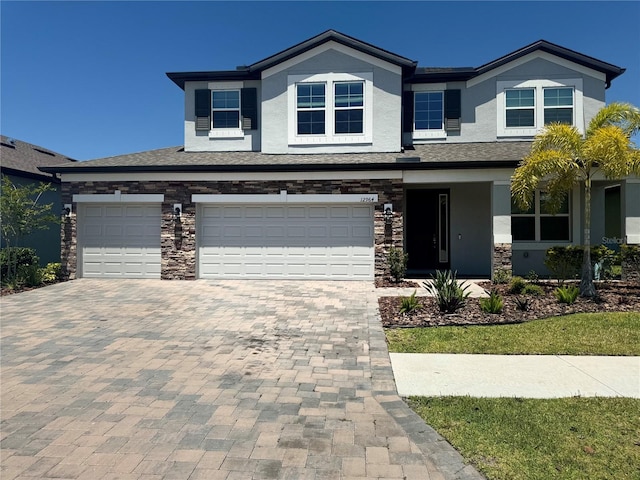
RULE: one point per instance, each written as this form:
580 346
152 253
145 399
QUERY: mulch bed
612 297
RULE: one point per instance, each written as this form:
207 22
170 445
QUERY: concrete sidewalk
525 376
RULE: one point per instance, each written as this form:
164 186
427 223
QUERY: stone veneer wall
502 254
178 238
68 246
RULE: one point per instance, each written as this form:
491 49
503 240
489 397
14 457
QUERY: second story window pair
525 107
520 106
344 108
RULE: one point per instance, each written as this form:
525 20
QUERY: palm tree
561 157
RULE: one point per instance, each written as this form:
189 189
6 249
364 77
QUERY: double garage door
324 241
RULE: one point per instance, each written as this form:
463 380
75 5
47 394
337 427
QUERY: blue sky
87 79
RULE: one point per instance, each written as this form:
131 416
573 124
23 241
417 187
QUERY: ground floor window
538 223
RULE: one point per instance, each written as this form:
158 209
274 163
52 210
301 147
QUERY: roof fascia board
533 56
331 45
180 78
298 168
33 176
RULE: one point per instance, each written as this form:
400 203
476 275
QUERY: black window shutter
203 109
407 117
452 104
249 102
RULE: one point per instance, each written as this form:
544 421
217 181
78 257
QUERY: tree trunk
587 288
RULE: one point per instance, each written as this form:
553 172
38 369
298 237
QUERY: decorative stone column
178 243
631 206
501 239
69 245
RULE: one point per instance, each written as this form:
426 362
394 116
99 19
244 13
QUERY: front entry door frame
427 227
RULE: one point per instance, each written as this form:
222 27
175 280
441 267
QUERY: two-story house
312 162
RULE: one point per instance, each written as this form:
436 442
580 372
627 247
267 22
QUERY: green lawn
578 334
530 439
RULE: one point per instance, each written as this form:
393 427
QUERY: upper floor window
558 105
311 105
538 223
520 107
226 108
428 111
349 107
524 107
330 108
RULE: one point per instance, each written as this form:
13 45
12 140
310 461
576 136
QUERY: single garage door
286 241
119 240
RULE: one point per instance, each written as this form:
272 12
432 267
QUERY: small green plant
501 276
567 293
517 285
531 289
522 303
532 276
409 304
494 304
52 273
449 294
30 275
397 260
630 260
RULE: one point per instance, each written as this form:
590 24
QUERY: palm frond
610 148
624 115
558 137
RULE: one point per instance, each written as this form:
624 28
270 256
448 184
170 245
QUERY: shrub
522 303
397 263
409 304
565 263
450 296
532 276
501 276
567 294
29 275
517 285
493 304
52 273
531 289
630 257
15 262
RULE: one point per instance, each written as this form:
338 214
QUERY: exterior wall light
388 213
66 210
177 211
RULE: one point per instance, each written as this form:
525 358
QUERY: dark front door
427 230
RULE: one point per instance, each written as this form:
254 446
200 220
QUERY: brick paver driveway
209 380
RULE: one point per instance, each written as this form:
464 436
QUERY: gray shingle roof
21 157
430 156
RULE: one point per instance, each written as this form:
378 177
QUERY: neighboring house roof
253 71
413 73
429 156
23 159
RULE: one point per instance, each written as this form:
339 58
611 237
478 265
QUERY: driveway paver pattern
145 379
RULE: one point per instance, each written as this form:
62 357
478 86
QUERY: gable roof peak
332 35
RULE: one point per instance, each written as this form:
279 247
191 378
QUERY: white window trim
330 137
429 134
539 86
226 132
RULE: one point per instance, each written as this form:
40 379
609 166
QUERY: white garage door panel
120 240
285 241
